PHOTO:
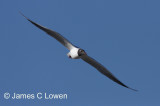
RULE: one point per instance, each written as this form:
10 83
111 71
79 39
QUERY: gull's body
78 53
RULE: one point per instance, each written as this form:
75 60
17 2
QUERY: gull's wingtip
23 15
133 89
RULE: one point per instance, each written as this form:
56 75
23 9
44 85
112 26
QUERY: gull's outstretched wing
102 69
54 34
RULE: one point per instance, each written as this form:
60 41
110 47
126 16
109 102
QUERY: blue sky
124 35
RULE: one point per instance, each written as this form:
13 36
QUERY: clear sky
123 35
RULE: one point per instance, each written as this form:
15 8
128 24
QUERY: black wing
103 70
54 34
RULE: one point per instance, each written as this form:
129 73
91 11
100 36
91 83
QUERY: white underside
73 53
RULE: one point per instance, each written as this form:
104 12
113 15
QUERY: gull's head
81 52
76 53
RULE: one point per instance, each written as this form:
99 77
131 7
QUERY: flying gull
78 53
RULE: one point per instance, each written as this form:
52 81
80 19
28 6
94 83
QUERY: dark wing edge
103 70
52 33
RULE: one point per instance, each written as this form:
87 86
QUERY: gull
78 53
